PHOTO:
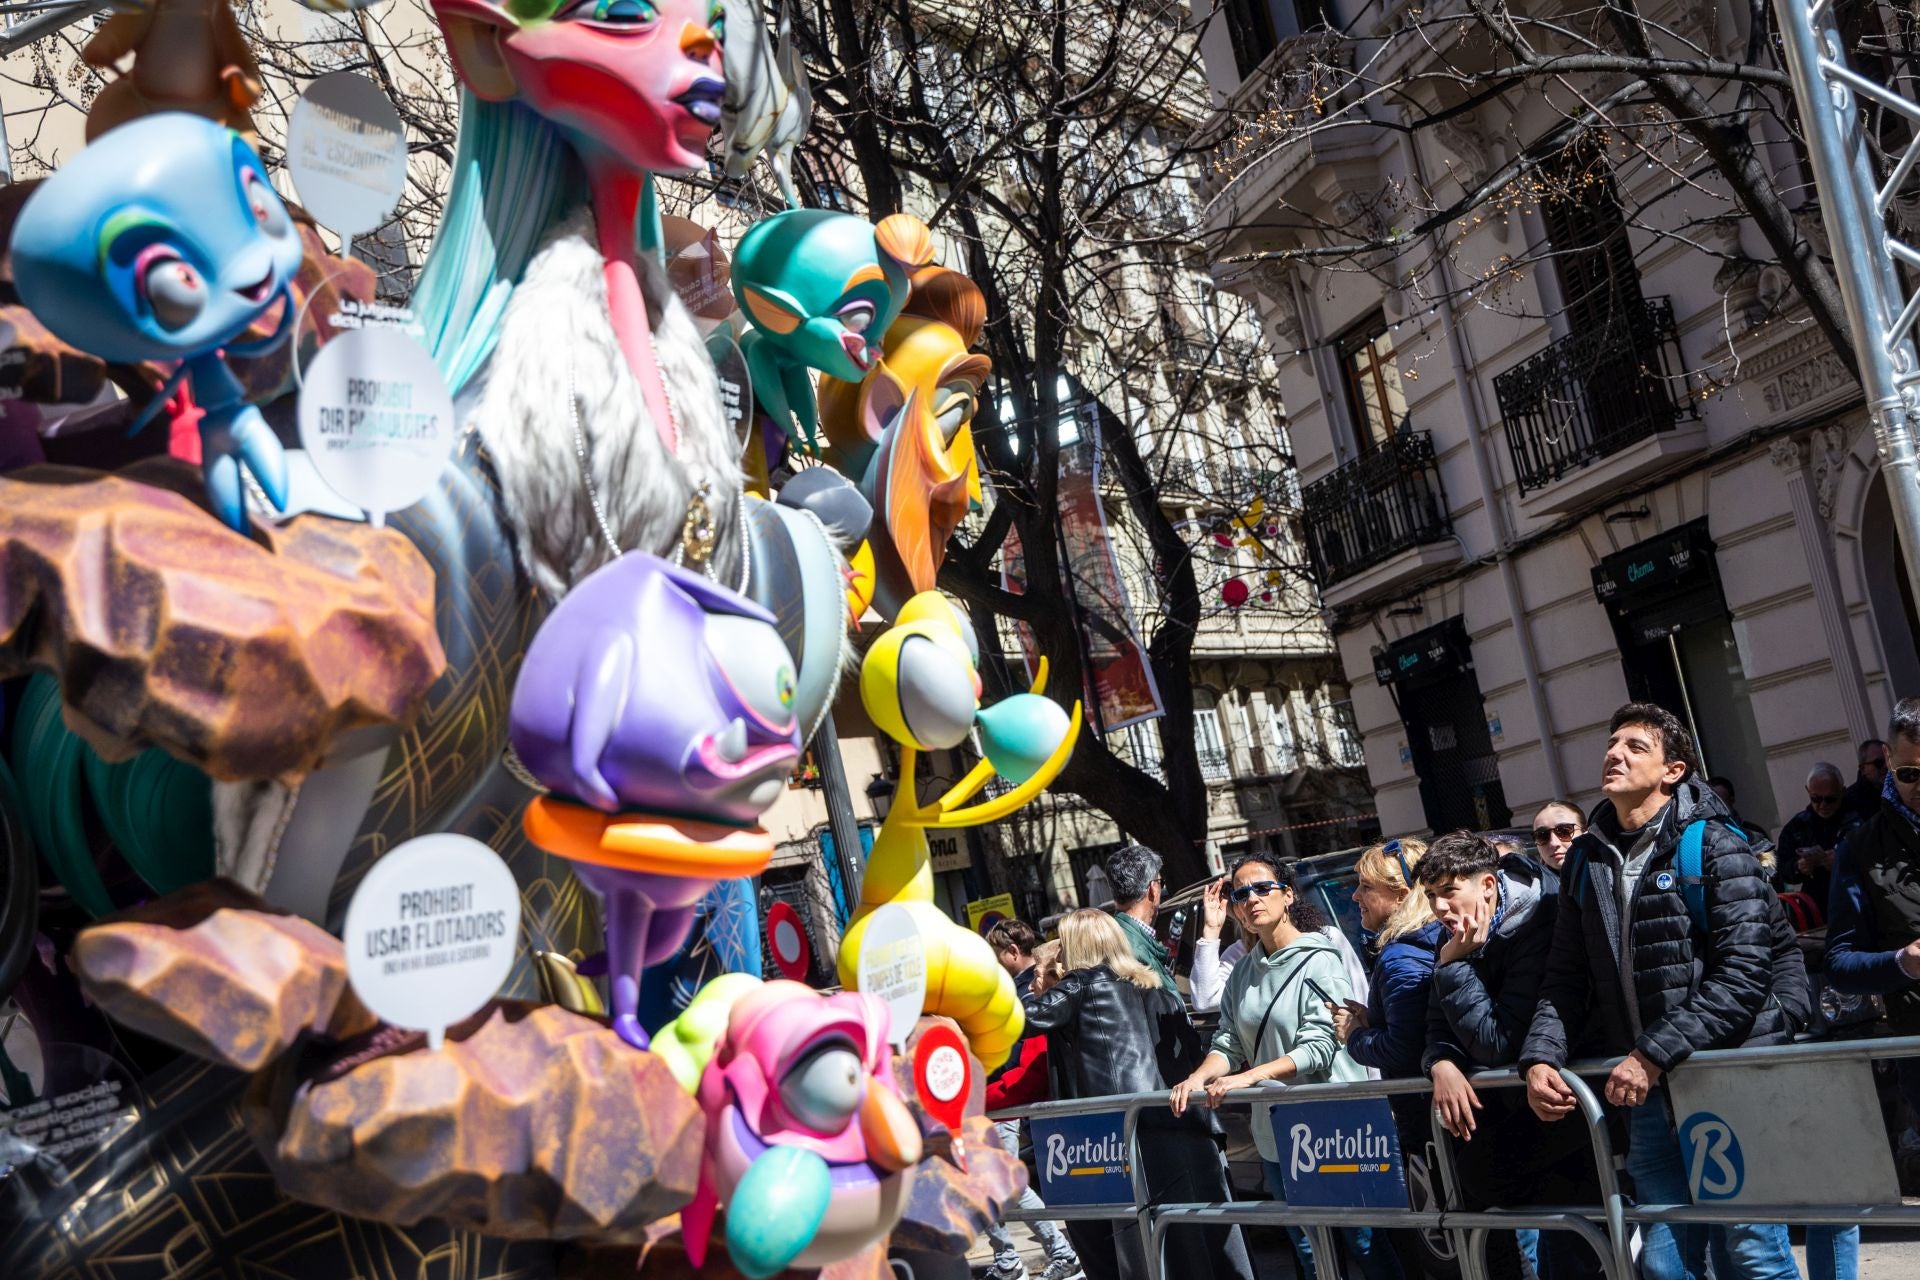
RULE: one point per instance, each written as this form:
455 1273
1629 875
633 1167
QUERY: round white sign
786 942
431 932
347 152
946 1073
377 420
893 966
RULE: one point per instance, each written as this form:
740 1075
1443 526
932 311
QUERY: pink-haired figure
808 1140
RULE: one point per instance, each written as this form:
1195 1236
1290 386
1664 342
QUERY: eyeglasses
1564 830
1258 889
1821 802
1907 774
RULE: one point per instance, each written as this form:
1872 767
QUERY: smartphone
1324 997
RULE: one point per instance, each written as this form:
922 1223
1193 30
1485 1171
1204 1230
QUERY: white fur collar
558 316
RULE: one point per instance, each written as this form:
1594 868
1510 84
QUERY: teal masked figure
164 241
821 289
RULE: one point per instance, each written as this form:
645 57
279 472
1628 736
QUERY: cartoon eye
857 317
717 24
266 206
756 664
615 12
826 1087
173 290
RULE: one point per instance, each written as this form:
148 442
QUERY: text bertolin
1370 1150
1106 1154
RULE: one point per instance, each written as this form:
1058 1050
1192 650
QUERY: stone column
1790 456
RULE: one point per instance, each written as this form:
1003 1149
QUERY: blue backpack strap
1691 868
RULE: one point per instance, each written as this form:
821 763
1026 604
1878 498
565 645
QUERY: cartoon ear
774 311
885 397
473 29
905 239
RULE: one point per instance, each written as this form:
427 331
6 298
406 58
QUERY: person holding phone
1276 1028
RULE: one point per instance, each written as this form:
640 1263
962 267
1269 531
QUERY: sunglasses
1258 889
1907 774
1821 802
1564 830
1393 847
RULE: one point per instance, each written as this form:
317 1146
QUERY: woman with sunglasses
1275 1026
1555 828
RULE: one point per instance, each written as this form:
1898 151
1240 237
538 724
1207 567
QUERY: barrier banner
1083 1159
1340 1155
1737 1150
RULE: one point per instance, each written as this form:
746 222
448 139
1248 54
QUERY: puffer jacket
1482 1005
1397 1004
1105 1035
1742 982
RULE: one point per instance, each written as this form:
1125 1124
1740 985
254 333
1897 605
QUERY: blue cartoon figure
164 241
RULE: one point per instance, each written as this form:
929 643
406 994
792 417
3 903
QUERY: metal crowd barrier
1606 1227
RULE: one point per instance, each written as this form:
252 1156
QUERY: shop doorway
1678 648
1432 678
1888 582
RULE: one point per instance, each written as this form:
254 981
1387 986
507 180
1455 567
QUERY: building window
1279 731
1376 401
1588 232
1209 744
1343 732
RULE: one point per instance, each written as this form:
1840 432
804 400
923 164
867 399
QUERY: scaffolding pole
1829 95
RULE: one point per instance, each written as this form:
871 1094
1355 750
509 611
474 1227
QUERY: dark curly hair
1456 856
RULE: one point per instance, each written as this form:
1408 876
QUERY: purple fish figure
654 692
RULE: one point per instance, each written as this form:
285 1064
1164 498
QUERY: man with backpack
1668 941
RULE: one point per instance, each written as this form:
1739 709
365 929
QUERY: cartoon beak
891 1132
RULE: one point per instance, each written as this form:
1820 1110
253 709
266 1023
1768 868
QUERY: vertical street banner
1120 681
1340 1155
1083 1159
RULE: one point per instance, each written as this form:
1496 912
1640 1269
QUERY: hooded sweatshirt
1300 1026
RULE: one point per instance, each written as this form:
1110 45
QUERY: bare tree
1694 94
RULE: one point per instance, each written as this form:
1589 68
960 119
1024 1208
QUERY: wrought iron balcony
1592 394
1375 507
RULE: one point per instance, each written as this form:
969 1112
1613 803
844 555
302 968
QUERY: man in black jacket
1499 912
1629 964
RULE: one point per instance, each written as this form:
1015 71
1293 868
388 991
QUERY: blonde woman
1389 1031
1112 1028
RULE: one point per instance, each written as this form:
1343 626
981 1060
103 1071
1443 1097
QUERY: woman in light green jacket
1276 1027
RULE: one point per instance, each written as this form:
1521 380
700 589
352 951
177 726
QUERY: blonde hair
1090 938
1383 868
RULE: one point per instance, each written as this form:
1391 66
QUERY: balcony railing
1375 507
1592 394
1214 765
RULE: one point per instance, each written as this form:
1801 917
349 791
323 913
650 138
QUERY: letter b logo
1714 1168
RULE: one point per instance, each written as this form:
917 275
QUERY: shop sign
948 852
1340 1154
1083 1159
1435 652
1652 566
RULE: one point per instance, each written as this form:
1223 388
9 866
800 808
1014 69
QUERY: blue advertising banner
1083 1159
1340 1155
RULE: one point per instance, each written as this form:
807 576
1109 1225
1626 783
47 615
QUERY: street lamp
880 796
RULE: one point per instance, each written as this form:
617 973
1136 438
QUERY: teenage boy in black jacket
1499 914
1629 963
